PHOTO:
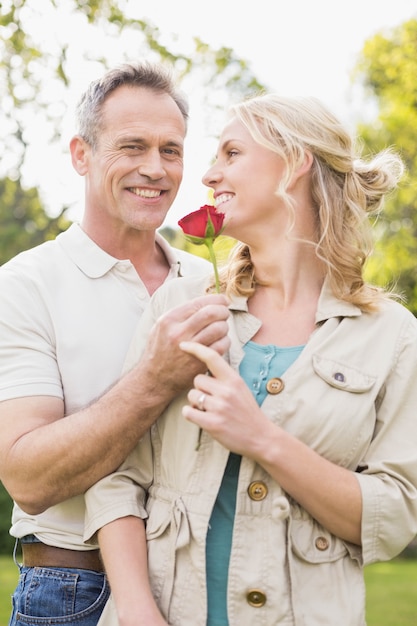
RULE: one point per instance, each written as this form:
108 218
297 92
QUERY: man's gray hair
152 76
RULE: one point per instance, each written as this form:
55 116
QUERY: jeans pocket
59 596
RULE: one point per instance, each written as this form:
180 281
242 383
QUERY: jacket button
321 543
256 598
275 385
257 490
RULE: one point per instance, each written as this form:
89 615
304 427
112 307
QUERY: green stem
209 244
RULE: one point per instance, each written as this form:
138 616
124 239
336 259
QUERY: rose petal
205 222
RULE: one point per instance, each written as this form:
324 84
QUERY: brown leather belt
41 555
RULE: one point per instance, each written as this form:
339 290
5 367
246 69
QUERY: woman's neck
288 288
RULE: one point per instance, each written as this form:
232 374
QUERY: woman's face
245 177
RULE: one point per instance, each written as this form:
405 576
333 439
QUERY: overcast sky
302 47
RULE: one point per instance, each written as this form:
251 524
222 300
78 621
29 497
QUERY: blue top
259 364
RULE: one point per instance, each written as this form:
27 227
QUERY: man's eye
171 151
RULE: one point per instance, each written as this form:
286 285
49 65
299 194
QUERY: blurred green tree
6 541
23 221
388 71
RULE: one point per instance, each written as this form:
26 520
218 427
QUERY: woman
307 465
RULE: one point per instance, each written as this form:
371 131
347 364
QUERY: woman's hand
223 405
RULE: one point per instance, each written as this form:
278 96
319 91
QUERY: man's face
134 173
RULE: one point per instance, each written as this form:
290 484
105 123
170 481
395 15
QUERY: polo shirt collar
92 260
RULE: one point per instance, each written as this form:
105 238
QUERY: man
67 313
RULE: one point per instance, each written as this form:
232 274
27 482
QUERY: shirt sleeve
120 494
388 474
28 363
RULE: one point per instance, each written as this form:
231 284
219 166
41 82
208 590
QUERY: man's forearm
65 457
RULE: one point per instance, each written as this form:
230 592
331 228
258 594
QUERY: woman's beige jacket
352 396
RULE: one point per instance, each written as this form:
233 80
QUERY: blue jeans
53 596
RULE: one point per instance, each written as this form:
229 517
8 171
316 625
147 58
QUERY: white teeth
224 197
145 193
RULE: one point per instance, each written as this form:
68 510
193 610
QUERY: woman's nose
211 177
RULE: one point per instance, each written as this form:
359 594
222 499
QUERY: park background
359 58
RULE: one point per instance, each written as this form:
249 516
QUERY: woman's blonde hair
345 190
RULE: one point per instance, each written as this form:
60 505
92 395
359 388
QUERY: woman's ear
79 149
302 169
307 163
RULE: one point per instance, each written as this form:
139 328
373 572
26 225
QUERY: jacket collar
328 305
245 326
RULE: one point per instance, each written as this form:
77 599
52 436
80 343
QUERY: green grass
8 579
391 591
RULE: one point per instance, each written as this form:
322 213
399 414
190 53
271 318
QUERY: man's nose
151 165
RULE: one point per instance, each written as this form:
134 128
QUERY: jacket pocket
326 577
314 544
342 376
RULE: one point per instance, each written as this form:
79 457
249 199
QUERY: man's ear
79 149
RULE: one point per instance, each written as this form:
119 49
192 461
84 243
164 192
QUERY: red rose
202 224
202 227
